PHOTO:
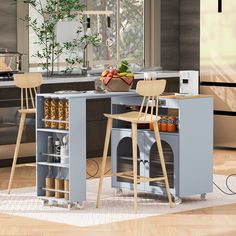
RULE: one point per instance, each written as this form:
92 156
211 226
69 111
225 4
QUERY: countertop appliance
189 82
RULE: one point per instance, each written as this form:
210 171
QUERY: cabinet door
122 158
152 165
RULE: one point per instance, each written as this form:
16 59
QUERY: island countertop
79 79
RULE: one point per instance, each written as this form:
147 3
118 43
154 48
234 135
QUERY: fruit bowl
117 85
116 81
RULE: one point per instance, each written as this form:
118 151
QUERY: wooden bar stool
28 84
150 90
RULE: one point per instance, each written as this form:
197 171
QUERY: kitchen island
188 150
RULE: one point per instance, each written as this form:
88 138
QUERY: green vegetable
123 66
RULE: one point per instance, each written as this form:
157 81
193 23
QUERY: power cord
227 185
97 170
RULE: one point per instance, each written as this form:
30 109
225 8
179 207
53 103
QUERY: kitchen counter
74 79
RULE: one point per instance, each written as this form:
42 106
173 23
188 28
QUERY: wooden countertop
182 97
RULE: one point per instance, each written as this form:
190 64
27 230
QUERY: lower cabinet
180 167
148 159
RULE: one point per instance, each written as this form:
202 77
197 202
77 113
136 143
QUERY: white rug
22 202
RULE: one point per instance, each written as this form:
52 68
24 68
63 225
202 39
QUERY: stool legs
134 145
18 141
159 147
104 159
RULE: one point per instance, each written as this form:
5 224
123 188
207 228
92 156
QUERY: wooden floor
218 221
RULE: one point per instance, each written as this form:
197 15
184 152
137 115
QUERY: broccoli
123 66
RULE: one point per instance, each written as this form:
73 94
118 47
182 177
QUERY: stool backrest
150 90
28 82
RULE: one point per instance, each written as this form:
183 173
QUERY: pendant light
220 6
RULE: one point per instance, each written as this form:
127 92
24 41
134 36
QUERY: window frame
152 40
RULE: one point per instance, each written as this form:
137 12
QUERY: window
121 33
125 34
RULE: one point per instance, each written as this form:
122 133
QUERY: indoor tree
51 12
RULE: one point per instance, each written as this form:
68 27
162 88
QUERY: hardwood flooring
217 221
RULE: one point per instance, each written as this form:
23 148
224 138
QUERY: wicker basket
117 85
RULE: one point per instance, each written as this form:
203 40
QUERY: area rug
114 208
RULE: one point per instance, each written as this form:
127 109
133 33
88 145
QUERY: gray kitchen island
189 150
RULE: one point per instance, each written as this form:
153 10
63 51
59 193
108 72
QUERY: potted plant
51 12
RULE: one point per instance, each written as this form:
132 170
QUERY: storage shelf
51 155
56 121
159 163
147 130
165 132
54 190
62 131
166 152
127 158
53 164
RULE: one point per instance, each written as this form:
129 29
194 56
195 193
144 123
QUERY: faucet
85 66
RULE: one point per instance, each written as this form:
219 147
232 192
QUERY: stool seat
134 116
27 111
140 179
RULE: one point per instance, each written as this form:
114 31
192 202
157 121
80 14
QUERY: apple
114 71
109 75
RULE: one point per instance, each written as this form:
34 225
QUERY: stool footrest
126 174
129 175
146 179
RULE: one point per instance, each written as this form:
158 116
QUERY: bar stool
27 82
150 90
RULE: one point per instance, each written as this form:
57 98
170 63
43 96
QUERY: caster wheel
45 202
50 203
178 200
203 196
80 205
69 206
